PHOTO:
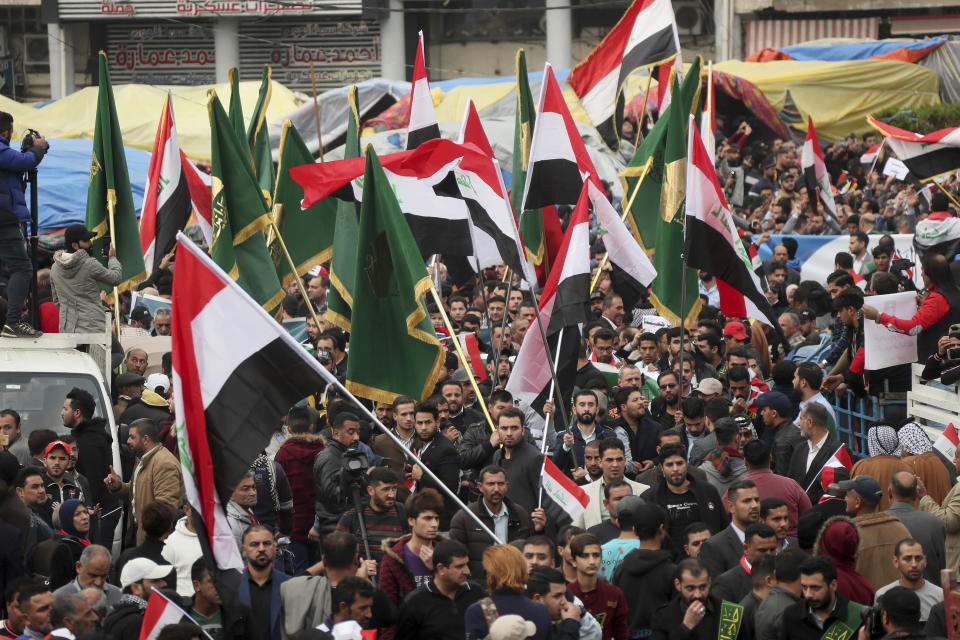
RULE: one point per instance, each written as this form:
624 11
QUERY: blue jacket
572 459
13 164
243 594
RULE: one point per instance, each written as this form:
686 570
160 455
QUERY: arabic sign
107 9
160 53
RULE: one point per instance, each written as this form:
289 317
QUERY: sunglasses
669 385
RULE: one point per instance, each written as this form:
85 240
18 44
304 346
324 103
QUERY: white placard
651 324
885 348
894 167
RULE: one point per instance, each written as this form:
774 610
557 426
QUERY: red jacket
608 606
396 581
295 457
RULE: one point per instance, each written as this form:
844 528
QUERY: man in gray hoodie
75 280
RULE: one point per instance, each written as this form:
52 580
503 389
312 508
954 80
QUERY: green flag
239 214
109 190
308 234
667 289
531 222
389 318
258 138
236 108
343 264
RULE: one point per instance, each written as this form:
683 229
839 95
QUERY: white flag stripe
620 244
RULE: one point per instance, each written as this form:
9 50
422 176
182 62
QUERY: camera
354 467
873 621
901 264
29 139
745 424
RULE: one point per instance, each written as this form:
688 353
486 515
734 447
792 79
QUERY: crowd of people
713 505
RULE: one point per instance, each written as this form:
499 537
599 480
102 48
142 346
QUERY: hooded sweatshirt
839 539
182 549
648 577
75 280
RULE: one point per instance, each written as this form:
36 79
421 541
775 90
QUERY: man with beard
665 408
508 520
436 453
685 499
94 456
260 583
694 613
460 416
381 516
641 429
591 464
568 449
823 610
807 461
28 485
724 550
521 461
612 465
911 562
735 583
402 428
479 443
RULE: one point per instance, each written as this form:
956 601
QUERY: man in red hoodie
295 457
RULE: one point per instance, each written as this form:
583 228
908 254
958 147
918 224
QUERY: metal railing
855 416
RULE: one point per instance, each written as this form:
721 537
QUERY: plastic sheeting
840 95
902 50
946 62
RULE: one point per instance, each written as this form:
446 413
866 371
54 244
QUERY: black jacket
427 613
330 502
124 622
464 529
668 621
567 460
643 443
783 440
721 552
442 459
235 620
94 458
138 409
523 473
648 577
811 478
712 513
797 622
733 585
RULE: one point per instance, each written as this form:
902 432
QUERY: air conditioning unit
690 17
36 49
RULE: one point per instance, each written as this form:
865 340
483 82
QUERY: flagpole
426 470
277 211
947 193
546 425
643 110
463 356
316 109
558 405
623 218
483 295
111 205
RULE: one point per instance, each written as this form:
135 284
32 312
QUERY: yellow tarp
139 111
840 95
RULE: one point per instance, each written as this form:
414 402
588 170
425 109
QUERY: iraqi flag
928 156
712 241
236 372
665 81
470 346
559 160
159 613
166 198
201 196
563 306
564 492
829 474
645 35
423 119
471 130
815 171
948 442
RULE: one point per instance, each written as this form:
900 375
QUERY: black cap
776 401
866 487
141 314
807 315
126 379
77 233
596 295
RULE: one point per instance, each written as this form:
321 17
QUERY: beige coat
949 512
160 480
879 534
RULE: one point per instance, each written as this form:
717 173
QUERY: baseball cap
139 569
141 314
710 386
865 486
776 401
511 627
807 315
735 330
628 505
53 445
127 378
155 380
77 233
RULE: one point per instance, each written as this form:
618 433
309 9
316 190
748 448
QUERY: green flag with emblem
258 139
393 348
109 190
531 222
240 213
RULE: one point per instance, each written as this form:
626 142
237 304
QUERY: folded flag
564 492
159 613
839 460
423 119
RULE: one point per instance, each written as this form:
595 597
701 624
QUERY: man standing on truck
13 214
75 280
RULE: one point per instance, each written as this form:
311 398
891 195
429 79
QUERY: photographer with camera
896 616
383 517
14 215
75 281
945 362
332 498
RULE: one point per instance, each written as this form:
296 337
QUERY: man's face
426 425
779 276
768 416
497 408
780 254
136 442
635 407
675 343
537 556
758 546
84 619
856 246
38 612
685 369
649 351
615 311
33 493
246 493
426 525
695 542
495 311
630 377
616 495
493 487
384 413
669 389
511 431
383 495
588 563
788 182
207 590
312 329
56 463
259 548
591 460
360 610
694 425
405 416
817 224
740 388
348 433
132 390
786 326
516 297
603 349
816 592
554 600
674 470
911 562
315 290
443 413
96 572
705 348
453 394
882 261
457 311
457 573
71 417
528 312
136 361
586 408
693 588
162 324
612 463
745 507
779 520
9 427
